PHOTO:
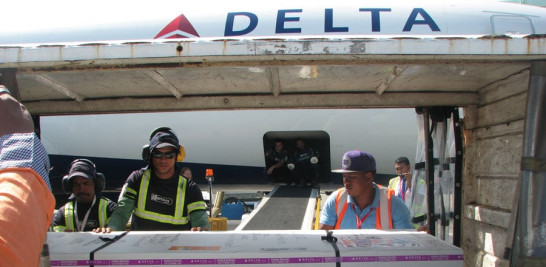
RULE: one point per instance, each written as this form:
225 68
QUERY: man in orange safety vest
360 203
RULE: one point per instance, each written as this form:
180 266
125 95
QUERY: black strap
419 219
333 240
108 241
436 161
533 164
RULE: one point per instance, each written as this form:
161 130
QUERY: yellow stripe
179 208
317 213
198 205
69 216
130 190
102 212
59 228
154 216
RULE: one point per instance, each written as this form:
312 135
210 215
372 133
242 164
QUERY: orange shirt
26 211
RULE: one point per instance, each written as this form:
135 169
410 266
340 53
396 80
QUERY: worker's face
357 183
163 162
83 189
300 144
401 168
278 146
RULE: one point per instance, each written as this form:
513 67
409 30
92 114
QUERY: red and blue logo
180 27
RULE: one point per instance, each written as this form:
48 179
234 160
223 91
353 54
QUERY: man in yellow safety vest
412 191
158 197
87 209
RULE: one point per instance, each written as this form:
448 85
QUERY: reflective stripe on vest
69 215
417 210
141 212
385 196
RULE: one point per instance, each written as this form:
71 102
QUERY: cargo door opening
318 145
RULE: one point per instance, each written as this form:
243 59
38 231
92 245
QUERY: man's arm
277 165
121 215
199 221
58 223
325 227
328 216
197 208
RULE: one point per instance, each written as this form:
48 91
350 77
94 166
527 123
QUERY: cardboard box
218 223
253 248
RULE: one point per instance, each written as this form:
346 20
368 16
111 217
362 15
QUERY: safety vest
69 216
381 218
417 210
178 218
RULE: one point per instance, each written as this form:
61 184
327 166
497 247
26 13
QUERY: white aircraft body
236 138
96 21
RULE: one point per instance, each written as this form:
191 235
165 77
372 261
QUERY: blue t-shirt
400 213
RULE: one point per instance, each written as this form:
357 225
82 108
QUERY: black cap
82 168
164 139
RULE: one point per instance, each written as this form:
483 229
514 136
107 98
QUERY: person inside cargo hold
362 204
86 209
158 196
275 163
303 164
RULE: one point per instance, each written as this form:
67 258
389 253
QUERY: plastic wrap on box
252 248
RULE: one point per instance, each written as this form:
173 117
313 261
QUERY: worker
304 164
26 201
186 172
414 198
275 163
86 209
362 204
158 196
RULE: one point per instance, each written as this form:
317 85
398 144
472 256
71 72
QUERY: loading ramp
285 208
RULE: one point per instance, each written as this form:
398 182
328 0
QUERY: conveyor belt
284 209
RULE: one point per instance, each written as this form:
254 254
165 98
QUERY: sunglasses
167 155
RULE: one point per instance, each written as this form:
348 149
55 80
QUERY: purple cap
356 161
82 168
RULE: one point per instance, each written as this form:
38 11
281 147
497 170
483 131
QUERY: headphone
146 153
98 178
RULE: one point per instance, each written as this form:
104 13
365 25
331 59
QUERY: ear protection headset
98 178
146 153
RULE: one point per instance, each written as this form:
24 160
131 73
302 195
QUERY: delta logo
180 27
287 23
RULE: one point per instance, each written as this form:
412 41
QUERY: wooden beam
339 100
48 81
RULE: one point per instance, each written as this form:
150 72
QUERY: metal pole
210 198
209 175
530 243
458 201
429 170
